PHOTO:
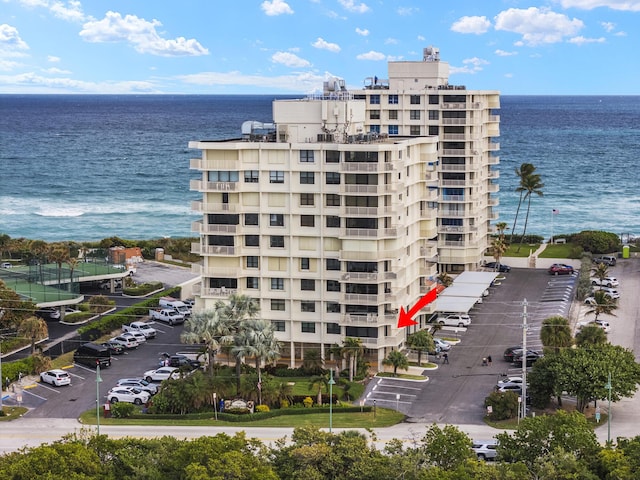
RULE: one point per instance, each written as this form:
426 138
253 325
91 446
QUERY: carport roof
475 290
455 304
476 277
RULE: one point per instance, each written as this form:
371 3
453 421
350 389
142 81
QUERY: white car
444 346
610 292
127 342
137 336
140 384
604 325
56 377
162 373
605 282
508 381
458 320
127 394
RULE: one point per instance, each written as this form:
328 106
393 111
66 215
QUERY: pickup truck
168 315
179 306
142 327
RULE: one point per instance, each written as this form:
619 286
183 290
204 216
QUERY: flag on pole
555 212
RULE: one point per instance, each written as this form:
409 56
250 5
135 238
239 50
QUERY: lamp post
332 382
98 380
215 405
608 387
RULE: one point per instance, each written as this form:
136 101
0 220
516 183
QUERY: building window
307 221
252 262
434 99
307 178
333 221
333 264
414 130
252 240
251 218
252 282
308 327
276 220
332 178
333 307
332 156
277 304
306 156
251 176
333 286
374 100
304 263
374 128
276 176
277 284
308 285
393 99
222 176
374 114
393 114
434 115
307 199
333 328
414 99
414 114
308 307
277 241
333 200
393 129
278 325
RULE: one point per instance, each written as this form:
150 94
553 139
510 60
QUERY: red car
560 269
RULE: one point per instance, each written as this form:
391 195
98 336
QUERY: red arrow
405 320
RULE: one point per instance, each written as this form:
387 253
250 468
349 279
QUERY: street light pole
608 387
98 380
524 358
332 382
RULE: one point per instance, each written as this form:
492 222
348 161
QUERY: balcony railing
368 232
219 292
211 228
212 249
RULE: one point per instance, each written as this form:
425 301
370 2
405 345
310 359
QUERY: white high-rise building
336 214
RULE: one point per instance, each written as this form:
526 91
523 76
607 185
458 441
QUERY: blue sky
289 46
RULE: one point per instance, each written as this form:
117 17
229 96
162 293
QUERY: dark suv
180 361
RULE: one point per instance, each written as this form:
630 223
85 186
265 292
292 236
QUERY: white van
179 306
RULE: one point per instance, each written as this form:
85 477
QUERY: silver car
485 449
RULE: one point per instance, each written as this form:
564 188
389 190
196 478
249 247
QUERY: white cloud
38 83
407 11
302 82
580 40
537 26
353 7
322 44
502 53
276 7
371 55
71 12
620 34
141 34
608 26
475 25
56 71
624 5
391 41
53 59
8 65
10 40
362 31
289 59
476 62
421 38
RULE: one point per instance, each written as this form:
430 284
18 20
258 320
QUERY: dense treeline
562 446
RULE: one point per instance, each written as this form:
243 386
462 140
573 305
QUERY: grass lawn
560 250
382 418
525 249
11 413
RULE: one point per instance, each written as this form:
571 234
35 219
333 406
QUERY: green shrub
596 241
504 405
284 403
262 408
122 410
308 402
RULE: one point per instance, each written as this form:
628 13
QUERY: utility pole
524 358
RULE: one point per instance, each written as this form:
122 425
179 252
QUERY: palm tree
604 304
556 333
524 171
352 347
338 355
33 328
37 249
320 382
421 341
498 247
58 254
263 345
531 185
397 360
600 271
501 227
73 264
313 361
591 335
209 328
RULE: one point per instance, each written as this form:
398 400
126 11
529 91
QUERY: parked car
510 352
560 269
609 292
606 259
182 361
498 267
485 449
596 323
162 373
127 342
128 394
137 336
457 320
531 358
49 313
140 384
444 346
114 348
56 377
509 381
605 282
6 265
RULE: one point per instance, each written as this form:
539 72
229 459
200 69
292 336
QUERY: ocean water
86 167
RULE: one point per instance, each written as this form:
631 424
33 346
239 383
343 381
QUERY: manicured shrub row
142 289
112 322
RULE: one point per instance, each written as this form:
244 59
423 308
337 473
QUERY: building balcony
200 186
494 118
458 183
364 255
457 229
354 189
493 202
200 227
368 232
392 341
493 160
493 188
455 121
366 167
494 174
362 298
361 277
468 166
349 319
222 272
456 244
493 146
380 211
452 198
212 249
430 251
219 292
448 213
202 207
